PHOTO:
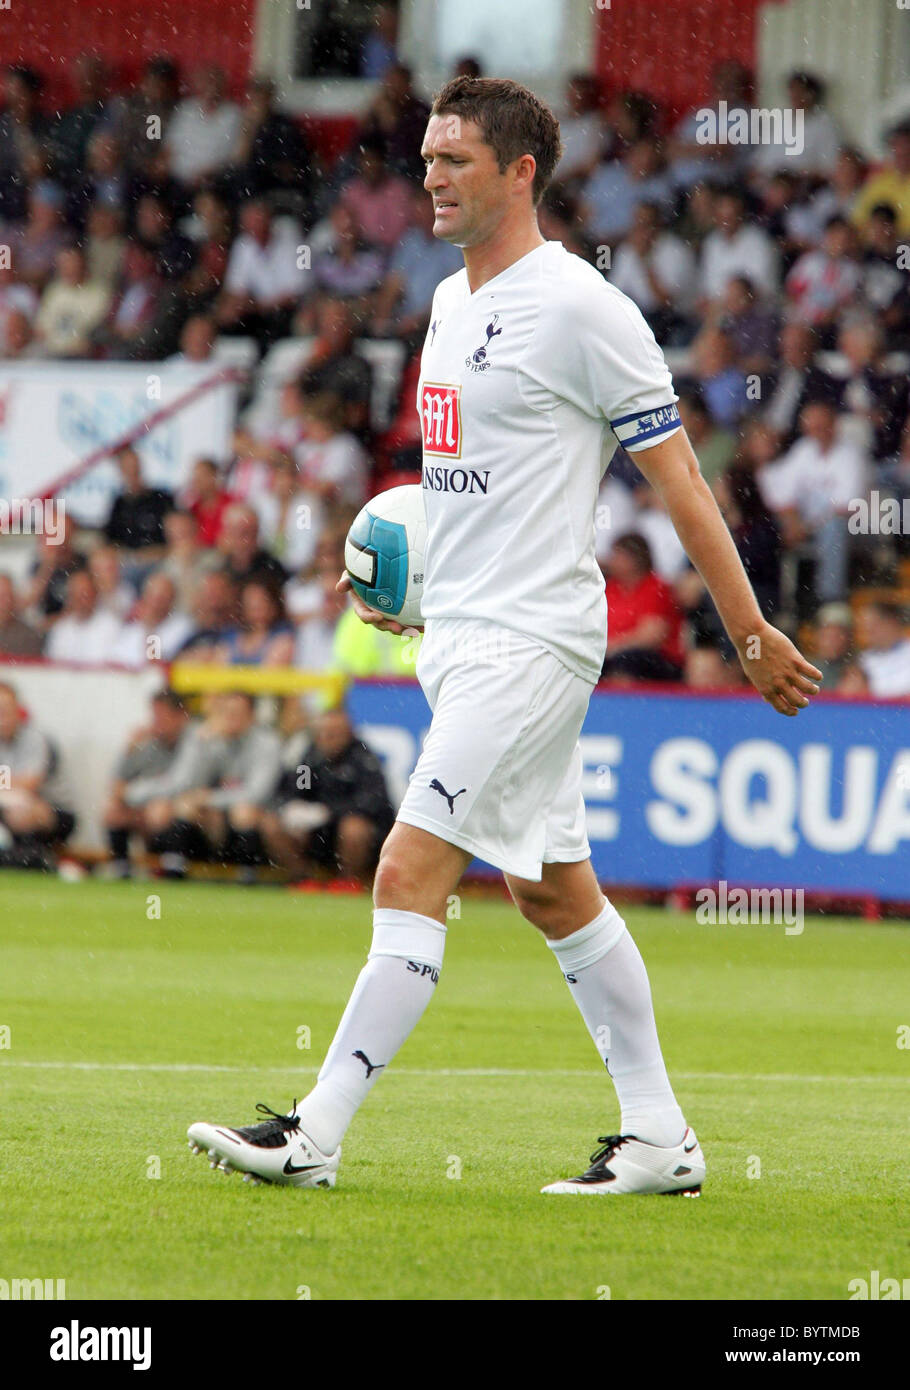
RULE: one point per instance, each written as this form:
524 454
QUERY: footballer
533 370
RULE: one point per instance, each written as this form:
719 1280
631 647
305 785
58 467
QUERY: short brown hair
512 120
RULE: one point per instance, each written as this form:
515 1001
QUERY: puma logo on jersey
436 786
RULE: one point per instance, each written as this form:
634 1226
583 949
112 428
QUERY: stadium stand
774 288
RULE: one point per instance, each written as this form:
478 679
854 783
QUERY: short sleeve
604 358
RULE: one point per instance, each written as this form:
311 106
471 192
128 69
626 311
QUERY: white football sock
391 993
609 983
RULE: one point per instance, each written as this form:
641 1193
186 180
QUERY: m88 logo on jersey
440 418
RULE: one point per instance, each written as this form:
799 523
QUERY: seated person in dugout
334 809
34 814
209 805
152 752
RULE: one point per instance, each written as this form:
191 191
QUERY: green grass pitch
123 1029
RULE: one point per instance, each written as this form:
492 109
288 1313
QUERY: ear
525 169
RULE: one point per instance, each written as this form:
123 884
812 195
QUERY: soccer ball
384 553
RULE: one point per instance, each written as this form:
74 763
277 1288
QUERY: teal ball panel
386 544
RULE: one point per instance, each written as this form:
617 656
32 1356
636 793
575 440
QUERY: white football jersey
526 388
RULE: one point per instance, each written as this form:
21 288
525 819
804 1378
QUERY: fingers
782 705
788 696
373 619
365 613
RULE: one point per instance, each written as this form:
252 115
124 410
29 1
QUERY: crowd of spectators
161 221
218 787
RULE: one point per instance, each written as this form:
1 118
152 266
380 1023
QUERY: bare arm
774 666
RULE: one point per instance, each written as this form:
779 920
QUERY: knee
158 815
539 904
396 884
115 815
355 830
186 806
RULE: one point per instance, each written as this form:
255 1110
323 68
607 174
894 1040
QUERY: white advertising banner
90 716
53 415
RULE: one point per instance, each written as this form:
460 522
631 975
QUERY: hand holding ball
384 554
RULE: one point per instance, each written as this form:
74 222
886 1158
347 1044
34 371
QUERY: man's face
255 221
7 599
18 93
104 567
236 715
876 629
208 85
214 600
372 169
196 340
736 298
44 214
333 733
103 154
70 266
151 220
204 479
832 641
795 345
470 195
880 233
179 530
9 715
642 160
817 422
837 240
622 566
167 722
706 669
644 225
729 214
80 592
858 344
103 221
335 323
130 471
241 533
397 83
157 598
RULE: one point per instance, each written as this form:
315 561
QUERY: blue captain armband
646 427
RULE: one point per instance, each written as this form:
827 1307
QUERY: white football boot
625 1164
275 1150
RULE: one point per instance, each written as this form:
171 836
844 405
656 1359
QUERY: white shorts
500 770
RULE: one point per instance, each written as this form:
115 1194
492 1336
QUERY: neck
506 246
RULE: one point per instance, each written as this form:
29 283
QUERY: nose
434 177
